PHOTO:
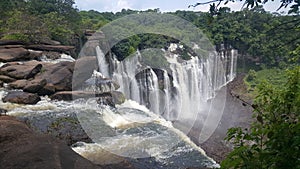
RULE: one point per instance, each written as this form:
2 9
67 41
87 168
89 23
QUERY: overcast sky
163 5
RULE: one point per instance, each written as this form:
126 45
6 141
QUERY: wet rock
23 70
72 95
18 84
118 97
35 85
99 83
21 148
48 89
35 54
6 79
20 97
106 100
59 75
51 55
60 124
83 70
14 54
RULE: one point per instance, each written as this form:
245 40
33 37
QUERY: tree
214 8
273 140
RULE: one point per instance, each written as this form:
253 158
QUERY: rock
20 97
51 55
62 124
48 89
83 70
1 83
50 42
59 75
11 42
14 54
23 70
21 148
18 84
11 46
35 54
6 79
35 85
70 50
118 97
72 95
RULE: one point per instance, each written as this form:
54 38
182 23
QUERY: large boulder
21 148
83 70
20 97
24 70
35 85
14 54
59 75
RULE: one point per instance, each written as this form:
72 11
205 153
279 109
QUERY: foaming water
139 133
129 131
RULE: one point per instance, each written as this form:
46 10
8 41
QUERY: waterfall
179 92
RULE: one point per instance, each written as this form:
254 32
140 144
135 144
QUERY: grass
274 76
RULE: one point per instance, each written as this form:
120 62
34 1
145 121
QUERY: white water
140 134
193 83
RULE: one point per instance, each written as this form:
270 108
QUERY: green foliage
273 139
154 58
58 28
23 26
251 75
36 21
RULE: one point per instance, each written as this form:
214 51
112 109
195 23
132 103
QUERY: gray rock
20 97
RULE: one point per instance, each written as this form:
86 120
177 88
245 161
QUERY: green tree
273 140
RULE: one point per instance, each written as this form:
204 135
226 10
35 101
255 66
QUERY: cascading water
178 92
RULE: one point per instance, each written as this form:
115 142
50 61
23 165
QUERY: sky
163 5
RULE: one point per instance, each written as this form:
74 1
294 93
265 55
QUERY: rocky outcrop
18 84
14 54
23 70
21 148
20 97
70 50
6 79
11 42
107 98
83 70
59 75
35 85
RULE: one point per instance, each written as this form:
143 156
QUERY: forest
269 54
